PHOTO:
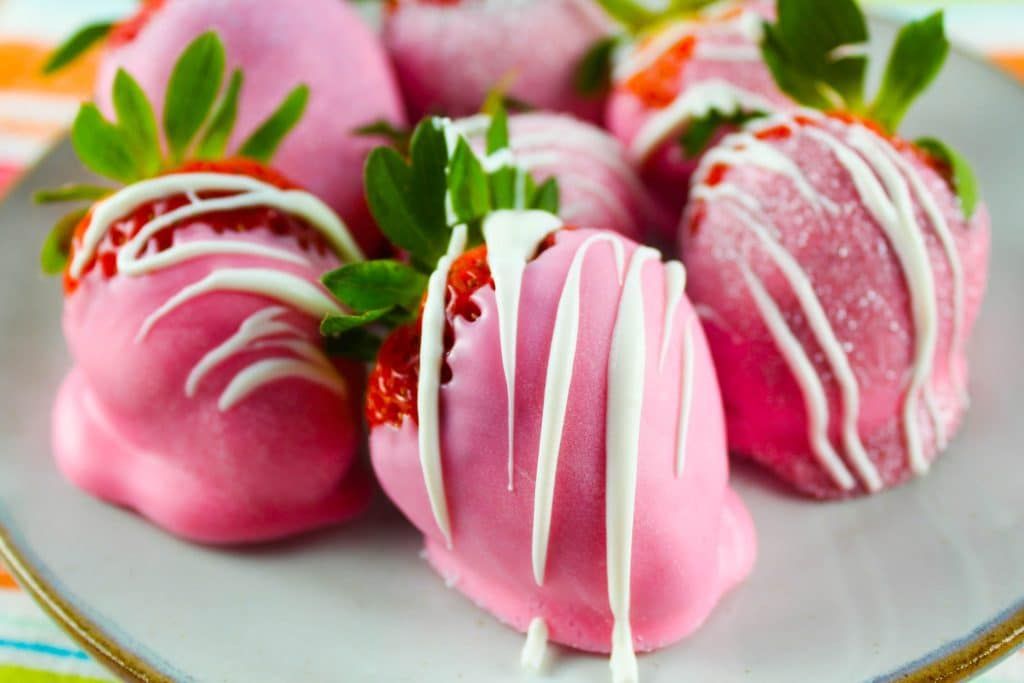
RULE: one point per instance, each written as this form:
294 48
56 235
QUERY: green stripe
23 675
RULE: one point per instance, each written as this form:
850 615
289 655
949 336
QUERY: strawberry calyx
418 198
198 120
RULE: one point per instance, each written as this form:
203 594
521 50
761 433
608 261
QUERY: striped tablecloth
34 112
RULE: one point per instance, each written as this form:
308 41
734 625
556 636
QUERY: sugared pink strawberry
680 83
839 270
202 395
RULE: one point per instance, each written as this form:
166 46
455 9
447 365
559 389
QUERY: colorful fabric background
34 112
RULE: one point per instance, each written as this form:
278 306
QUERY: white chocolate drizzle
561 363
512 238
429 385
886 196
686 397
297 292
535 648
695 102
626 377
261 331
815 402
251 192
825 335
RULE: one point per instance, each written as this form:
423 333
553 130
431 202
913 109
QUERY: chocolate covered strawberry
449 55
840 267
679 84
320 42
202 395
546 411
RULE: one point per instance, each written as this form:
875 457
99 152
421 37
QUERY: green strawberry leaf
468 187
57 247
137 121
377 285
964 180
191 92
497 132
334 325
503 187
700 132
636 15
398 137
916 59
101 146
594 74
214 142
75 46
358 344
429 155
810 50
545 198
72 193
393 196
263 143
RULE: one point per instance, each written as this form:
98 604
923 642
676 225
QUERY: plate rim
957 660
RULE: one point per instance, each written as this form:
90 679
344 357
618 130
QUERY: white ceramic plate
925 582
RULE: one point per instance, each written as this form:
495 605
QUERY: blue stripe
40 648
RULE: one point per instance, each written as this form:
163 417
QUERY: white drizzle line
512 239
825 335
709 193
626 375
252 193
274 369
945 235
561 360
685 397
806 376
431 358
727 53
693 103
745 149
260 326
889 202
675 289
532 658
290 289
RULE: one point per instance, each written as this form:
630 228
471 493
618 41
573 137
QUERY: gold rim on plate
965 659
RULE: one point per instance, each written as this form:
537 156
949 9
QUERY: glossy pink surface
322 43
692 538
449 56
862 286
283 460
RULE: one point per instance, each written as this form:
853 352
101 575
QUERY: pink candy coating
693 539
283 460
321 43
450 56
860 282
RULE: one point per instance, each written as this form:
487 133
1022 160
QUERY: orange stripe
38 130
21 69
6 582
1013 62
